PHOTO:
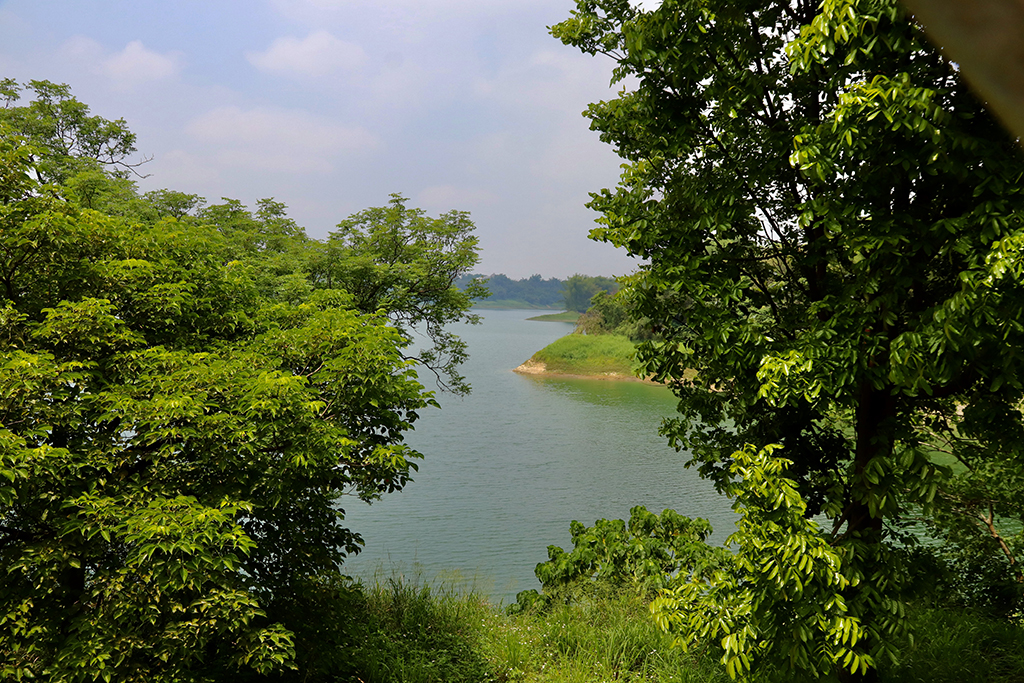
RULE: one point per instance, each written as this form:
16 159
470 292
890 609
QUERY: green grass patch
435 634
564 317
415 633
584 354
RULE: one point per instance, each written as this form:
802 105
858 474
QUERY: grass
952 647
423 634
582 354
599 640
563 317
416 633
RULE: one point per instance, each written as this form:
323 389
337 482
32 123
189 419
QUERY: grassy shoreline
603 356
511 304
563 317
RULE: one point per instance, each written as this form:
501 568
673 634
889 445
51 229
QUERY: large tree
69 140
831 225
402 263
182 402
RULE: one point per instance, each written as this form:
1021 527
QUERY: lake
508 467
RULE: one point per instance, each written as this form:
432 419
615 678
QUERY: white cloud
135 64
287 140
132 66
318 54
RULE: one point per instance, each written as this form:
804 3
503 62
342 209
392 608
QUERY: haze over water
507 468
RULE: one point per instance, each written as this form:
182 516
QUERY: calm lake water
507 468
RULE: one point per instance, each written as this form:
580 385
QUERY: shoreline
537 368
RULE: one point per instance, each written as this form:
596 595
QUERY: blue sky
331 105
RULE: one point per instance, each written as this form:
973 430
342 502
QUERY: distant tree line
574 294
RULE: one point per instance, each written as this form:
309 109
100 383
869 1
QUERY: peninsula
601 356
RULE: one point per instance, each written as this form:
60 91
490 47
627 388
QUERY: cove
507 468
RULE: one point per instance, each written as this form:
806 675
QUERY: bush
611 557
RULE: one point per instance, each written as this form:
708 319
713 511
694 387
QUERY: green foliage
604 316
66 140
610 314
182 403
785 603
400 263
400 631
531 292
610 557
830 226
578 290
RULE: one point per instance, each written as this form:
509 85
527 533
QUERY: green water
507 468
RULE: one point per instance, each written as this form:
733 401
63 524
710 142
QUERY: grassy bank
510 304
564 317
600 355
418 634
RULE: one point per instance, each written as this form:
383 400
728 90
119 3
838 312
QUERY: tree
534 291
401 263
831 229
604 316
785 586
68 140
174 441
393 260
578 290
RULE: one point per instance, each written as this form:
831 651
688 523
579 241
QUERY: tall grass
417 633
953 647
612 639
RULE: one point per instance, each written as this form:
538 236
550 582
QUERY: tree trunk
873 429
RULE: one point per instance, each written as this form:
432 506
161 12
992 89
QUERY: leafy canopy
578 290
182 402
403 264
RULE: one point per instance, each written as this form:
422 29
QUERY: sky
330 106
